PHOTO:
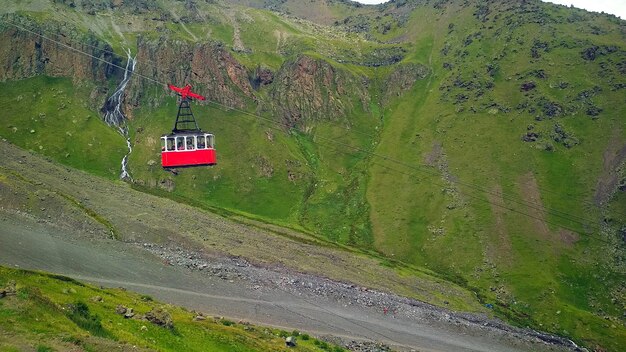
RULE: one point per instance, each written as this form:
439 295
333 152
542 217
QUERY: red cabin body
188 149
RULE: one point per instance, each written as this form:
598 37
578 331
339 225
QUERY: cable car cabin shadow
188 149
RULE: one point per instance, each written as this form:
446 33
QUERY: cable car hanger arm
186 92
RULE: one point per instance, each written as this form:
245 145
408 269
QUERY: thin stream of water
113 115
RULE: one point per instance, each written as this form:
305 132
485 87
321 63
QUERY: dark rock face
403 79
308 88
208 67
593 52
526 86
262 77
160 317
26 54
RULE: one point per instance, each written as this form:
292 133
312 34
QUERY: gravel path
233 288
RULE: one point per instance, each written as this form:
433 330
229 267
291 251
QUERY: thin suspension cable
418 168
587 225
502 206
151 64
82 52
163 83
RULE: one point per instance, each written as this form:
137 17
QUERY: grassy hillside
53 117
486 141
524 214
46 312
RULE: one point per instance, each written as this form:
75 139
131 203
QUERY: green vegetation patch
52 116
51 313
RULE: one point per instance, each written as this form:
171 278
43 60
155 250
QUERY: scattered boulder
530 137
120 309
559 135
593 52
552 109
96 299
593 111
129 313
526 86
290 341
199 317
9 290
160 317
538 46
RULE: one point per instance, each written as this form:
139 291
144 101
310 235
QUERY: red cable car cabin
188 149
187 145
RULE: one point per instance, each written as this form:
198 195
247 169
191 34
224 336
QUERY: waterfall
113 115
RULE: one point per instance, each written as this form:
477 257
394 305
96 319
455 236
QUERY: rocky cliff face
303 88
402 79
307 88
26 55
208 67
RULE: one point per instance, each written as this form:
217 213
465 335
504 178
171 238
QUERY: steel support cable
419 168
503 206
506 196
384 157
150 63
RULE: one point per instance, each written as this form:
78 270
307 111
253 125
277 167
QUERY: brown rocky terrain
27 54
209 67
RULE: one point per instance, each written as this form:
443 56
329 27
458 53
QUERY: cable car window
180 143
171 144
210 141
191 143
201 142
163 143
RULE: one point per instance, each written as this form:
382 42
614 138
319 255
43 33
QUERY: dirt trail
59 220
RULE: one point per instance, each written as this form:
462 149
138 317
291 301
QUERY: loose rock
290 341
160 317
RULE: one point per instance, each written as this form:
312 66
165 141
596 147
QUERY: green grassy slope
521 213
51 313
51 116
528 225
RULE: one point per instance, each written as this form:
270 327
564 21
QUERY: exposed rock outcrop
160 317
307 88
26 54
209 67
403 79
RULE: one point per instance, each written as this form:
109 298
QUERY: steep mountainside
485 141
